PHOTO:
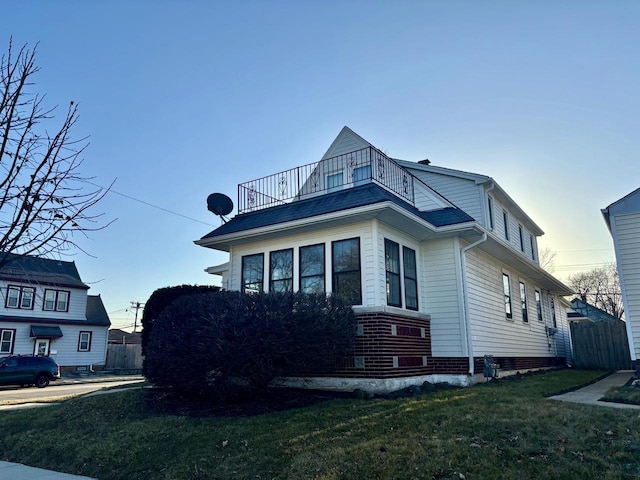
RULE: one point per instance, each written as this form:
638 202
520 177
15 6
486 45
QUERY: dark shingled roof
42 271
360 196
96 313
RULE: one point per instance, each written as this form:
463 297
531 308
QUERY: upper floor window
252 273
521 238
506 287
553 313
539 305
346 276
6 340
523 301
533 249
334 182
281 271
505 219
56 300
84 342
392 267
312 269
361 175
410 278
490 209
20 297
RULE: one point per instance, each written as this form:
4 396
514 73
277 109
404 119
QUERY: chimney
426 161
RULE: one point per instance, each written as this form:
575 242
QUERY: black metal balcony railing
325 176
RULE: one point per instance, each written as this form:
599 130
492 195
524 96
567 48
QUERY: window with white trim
490 209
84 342
410 278
392 268
361 175
533 248
539 305
506 287
505 219
335 182
312 278
56 300
346 275
20 297
523 302
7 337
521 238
252 273
281 270
553 313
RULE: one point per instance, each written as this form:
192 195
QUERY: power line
149 204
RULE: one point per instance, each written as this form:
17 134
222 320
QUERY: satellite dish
219 204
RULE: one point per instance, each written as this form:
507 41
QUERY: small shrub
224 342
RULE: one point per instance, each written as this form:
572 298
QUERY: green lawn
503 430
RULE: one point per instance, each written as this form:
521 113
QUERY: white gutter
467 320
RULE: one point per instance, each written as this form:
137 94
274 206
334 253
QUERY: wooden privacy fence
601 345
124 357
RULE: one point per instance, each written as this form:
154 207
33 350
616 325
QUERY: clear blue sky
182 99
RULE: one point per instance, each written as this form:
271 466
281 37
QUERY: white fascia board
218 269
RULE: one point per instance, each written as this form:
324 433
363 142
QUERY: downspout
467 320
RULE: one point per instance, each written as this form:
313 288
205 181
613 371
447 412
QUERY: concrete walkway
17 471
591 394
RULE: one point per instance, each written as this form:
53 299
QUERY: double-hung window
56 300
20 297
335 182
346 275
521 238
553 313
505 220
281 271
312 269
252 273
539 305
506 286
84 342
6 340
490 209
523 302
410 278
392 267
533 248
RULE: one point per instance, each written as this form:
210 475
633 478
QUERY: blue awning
39 331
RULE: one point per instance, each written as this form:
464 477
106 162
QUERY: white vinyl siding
77 303
64 349
463 193
439 285
627 239
493 334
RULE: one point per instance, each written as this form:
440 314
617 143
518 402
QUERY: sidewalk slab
17 471
591 394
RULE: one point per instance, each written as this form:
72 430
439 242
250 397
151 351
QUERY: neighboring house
623 219
45 310
441 265
117 336
581 311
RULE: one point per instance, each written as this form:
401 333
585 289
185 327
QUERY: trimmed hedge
162 298
222 342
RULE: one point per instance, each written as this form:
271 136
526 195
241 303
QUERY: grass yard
502 430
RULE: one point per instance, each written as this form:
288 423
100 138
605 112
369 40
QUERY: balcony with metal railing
325 176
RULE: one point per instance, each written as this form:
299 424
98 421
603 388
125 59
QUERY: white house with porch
441 265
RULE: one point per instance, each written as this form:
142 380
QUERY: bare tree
44 199
600 287
547 257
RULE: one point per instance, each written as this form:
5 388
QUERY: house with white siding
45 310
623 220
441 266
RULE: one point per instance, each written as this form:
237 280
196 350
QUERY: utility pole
136 306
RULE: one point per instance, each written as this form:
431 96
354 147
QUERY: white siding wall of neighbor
627 239
77 302
361 230
492 332
439 281
64 349
463 193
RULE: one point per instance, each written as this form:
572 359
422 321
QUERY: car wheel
42 381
